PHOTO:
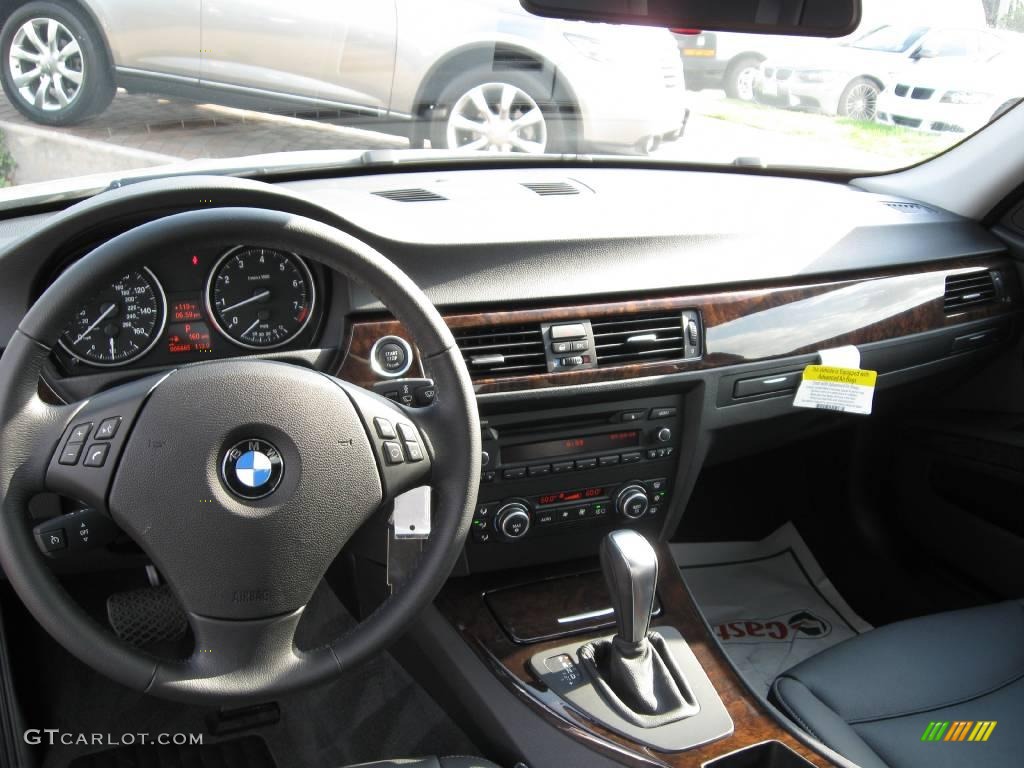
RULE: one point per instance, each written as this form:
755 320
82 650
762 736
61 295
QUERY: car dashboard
622 327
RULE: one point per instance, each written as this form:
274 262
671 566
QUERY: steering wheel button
413 452
80 433
384 429
393 453
69 456
108 428
407 432
96 455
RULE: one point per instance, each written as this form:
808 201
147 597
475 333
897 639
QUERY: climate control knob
513 520
632 502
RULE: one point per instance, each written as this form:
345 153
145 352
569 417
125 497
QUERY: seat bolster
805 709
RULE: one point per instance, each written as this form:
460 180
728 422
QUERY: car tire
859 99
554 130
52 96
741 77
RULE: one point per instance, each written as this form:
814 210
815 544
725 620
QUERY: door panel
339 51
158 36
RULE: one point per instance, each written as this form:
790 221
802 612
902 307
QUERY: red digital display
188 337
185 311
570 446
565 497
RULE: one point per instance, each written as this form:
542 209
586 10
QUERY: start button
391 356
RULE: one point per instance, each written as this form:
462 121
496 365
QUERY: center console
554 482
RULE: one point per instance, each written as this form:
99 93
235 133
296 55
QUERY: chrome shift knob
630 567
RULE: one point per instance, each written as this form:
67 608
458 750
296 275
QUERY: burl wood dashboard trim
740 325
462 602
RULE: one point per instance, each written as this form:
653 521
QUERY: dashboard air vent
546 188
410 195
902 207
639 338
968 290
504 350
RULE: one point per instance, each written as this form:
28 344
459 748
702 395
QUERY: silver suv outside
475 74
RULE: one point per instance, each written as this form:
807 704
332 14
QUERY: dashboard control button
384 429
513 520
632 415
568 331
563 466
485 511
566 347
563 515
546 518
108 428
391 357
69 456
653 510
390 394
581 512
664 435
658 484
392 453
662 413
96 455
485 458
632 501
80 433
489 477
516 473
571 362
608 461
425 395
586 463
407 432
413 451
480 531
631 458
539 470
599 509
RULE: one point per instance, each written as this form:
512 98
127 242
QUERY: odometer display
121 323
260 298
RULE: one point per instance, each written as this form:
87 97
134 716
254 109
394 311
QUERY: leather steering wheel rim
30 432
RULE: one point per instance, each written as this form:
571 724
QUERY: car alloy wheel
745 79
497 117
46 64
861 101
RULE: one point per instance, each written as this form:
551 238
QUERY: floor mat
247 752
769 603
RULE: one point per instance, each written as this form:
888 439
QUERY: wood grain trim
740 325
462 603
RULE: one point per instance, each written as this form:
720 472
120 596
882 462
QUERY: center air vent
546 188
969 290
642 338
504 350
410 195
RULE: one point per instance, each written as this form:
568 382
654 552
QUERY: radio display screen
570 446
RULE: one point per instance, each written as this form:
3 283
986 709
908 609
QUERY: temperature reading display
188 337
565 497
184 311
570 446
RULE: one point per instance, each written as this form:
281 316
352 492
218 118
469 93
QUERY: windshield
890 39
110 89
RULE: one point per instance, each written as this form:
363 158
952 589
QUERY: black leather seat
872 698
454 761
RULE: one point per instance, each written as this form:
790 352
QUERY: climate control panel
518 518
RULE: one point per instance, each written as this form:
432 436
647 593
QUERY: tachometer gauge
260 298
121 323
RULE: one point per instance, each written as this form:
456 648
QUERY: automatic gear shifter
635 671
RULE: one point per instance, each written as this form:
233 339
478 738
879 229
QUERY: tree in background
1005 14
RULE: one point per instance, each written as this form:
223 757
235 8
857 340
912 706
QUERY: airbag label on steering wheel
829 388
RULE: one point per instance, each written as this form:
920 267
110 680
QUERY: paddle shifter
635 671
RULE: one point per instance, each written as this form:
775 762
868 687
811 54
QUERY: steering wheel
240 479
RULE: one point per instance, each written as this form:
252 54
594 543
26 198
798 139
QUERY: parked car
726 60
500 79
847 79
948 95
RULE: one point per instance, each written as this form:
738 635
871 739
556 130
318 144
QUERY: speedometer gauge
260 298
121 323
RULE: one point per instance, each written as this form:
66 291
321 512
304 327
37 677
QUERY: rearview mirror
813 18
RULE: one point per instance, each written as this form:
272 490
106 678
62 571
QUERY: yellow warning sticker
829 388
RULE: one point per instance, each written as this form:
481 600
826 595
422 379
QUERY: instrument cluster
190 306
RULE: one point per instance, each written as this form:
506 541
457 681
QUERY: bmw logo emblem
252 469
